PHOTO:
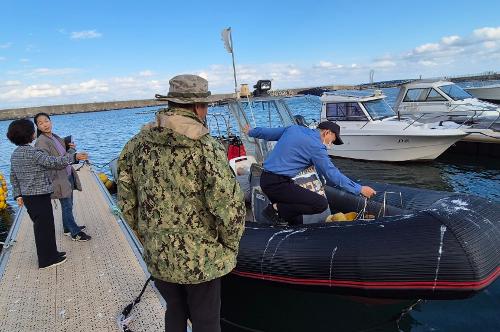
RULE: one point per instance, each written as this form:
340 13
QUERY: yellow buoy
103 177
108 184
3 192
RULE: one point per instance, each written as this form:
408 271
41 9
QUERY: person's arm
42 158
332 174
46 144
126 188
16 189
268 134
224 198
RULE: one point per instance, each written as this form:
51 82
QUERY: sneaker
270 213
61 253
82 237
58 261
68 233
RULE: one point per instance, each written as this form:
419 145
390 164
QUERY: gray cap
188 89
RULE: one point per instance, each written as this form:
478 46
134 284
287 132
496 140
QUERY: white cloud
488 33
430 47
328 65
490 44
427 63
86 34
383 64
10 83
32 91
146 73
53 71
6 45
91 86
24 60
450 40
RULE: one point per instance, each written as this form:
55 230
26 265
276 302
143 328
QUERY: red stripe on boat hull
445 285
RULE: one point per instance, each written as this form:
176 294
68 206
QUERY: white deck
88 291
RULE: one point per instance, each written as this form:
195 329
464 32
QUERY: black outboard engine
261 88
301 121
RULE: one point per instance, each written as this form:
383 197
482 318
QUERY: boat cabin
434 101
355 108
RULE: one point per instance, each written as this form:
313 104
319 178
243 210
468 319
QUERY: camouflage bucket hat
187 89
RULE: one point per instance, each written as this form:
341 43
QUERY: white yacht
448 104
487 92
371 130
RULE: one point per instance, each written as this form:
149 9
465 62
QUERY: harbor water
103 135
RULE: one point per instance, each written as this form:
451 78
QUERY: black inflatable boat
421 244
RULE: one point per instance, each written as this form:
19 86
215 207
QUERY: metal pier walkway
88 291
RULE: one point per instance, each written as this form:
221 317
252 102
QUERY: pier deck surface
89 290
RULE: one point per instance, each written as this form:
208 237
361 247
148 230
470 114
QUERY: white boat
371 130
441 101
488 92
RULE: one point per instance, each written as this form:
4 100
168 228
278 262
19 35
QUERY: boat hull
260 305
392 147
421 244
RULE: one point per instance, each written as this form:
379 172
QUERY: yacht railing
430 116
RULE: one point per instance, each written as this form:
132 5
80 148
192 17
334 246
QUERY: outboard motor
301 121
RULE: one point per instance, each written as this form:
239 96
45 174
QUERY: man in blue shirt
297 148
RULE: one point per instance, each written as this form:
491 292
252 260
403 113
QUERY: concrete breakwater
18 113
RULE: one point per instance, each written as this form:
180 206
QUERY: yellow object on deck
350 216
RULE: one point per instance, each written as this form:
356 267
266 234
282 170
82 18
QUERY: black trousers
292 200
40 211
200 303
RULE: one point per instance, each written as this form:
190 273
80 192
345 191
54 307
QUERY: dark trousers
292 200
40 211
200 303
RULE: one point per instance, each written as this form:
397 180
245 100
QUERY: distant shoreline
18 113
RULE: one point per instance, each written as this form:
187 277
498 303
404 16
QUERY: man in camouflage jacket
177 192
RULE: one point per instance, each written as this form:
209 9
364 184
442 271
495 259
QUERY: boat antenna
228 44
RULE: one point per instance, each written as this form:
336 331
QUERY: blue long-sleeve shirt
298 148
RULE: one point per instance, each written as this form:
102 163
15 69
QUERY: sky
59 52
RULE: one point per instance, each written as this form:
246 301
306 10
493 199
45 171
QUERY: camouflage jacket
177 192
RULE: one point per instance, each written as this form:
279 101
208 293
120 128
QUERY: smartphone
67 140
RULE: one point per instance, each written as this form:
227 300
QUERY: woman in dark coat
64 181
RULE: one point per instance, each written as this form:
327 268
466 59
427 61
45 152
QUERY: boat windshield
455 92
378 109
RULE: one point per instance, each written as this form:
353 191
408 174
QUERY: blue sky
56 52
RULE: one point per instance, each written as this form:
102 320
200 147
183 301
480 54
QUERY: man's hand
368 192
20 201
246 129
82 156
